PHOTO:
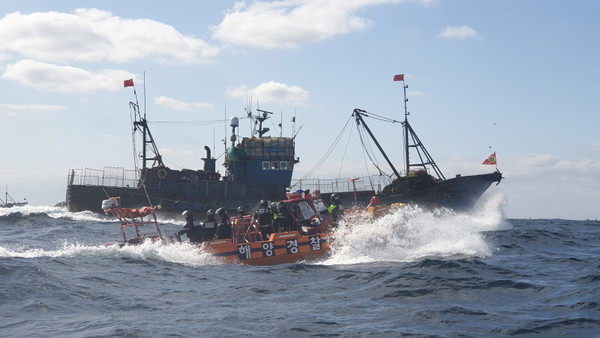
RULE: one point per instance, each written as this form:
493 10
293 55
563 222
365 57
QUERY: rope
344 154
328 152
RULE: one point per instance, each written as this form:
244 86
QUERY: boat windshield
304 211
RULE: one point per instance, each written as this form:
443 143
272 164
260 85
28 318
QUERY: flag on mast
128 83
491 160
399 77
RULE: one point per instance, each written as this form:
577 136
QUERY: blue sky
520 77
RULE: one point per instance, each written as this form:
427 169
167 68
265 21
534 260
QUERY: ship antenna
144 95
404 86
405 126
136 109
294 123
419 147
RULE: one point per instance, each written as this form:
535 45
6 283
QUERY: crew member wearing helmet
264 217
224 228
240 217
241 211
334 208
285 219
209 225
193 232
275 222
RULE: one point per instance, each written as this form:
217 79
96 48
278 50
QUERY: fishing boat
422 182
9 202
308 238
256 167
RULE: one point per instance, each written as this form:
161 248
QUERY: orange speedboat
309 237
280 248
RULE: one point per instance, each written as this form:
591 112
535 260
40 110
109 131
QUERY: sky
516 77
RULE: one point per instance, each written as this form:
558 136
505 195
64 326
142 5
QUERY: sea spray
411 233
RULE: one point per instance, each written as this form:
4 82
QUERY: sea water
412 272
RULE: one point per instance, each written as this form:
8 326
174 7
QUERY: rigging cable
132 119
369 150
328 152
193 123
344 154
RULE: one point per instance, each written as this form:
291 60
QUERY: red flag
399 77
128 83
491 160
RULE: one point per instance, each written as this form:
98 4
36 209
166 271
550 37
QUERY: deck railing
121 177
375 183
108 176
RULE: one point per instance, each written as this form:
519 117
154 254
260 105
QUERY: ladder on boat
143 224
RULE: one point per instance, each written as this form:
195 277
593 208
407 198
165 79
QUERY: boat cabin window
304 210
275 165
320 205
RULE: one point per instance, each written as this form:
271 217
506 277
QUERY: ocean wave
54 212
560 327
181 253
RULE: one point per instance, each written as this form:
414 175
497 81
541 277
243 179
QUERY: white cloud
179 105
590 148
32 107
541 160
114 138
462 32
290 23
96 35
416 93
271 92
552 165
64 79
170 151
545 185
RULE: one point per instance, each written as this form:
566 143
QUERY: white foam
181 253
411 233
56 212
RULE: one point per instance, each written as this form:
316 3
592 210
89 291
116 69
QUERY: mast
265 115
141 124
405 126
358 113
416 143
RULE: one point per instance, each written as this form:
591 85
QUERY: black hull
229 196
460 193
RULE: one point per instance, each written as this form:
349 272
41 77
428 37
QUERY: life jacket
332 208
374 201
264 216
195 234
224 229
